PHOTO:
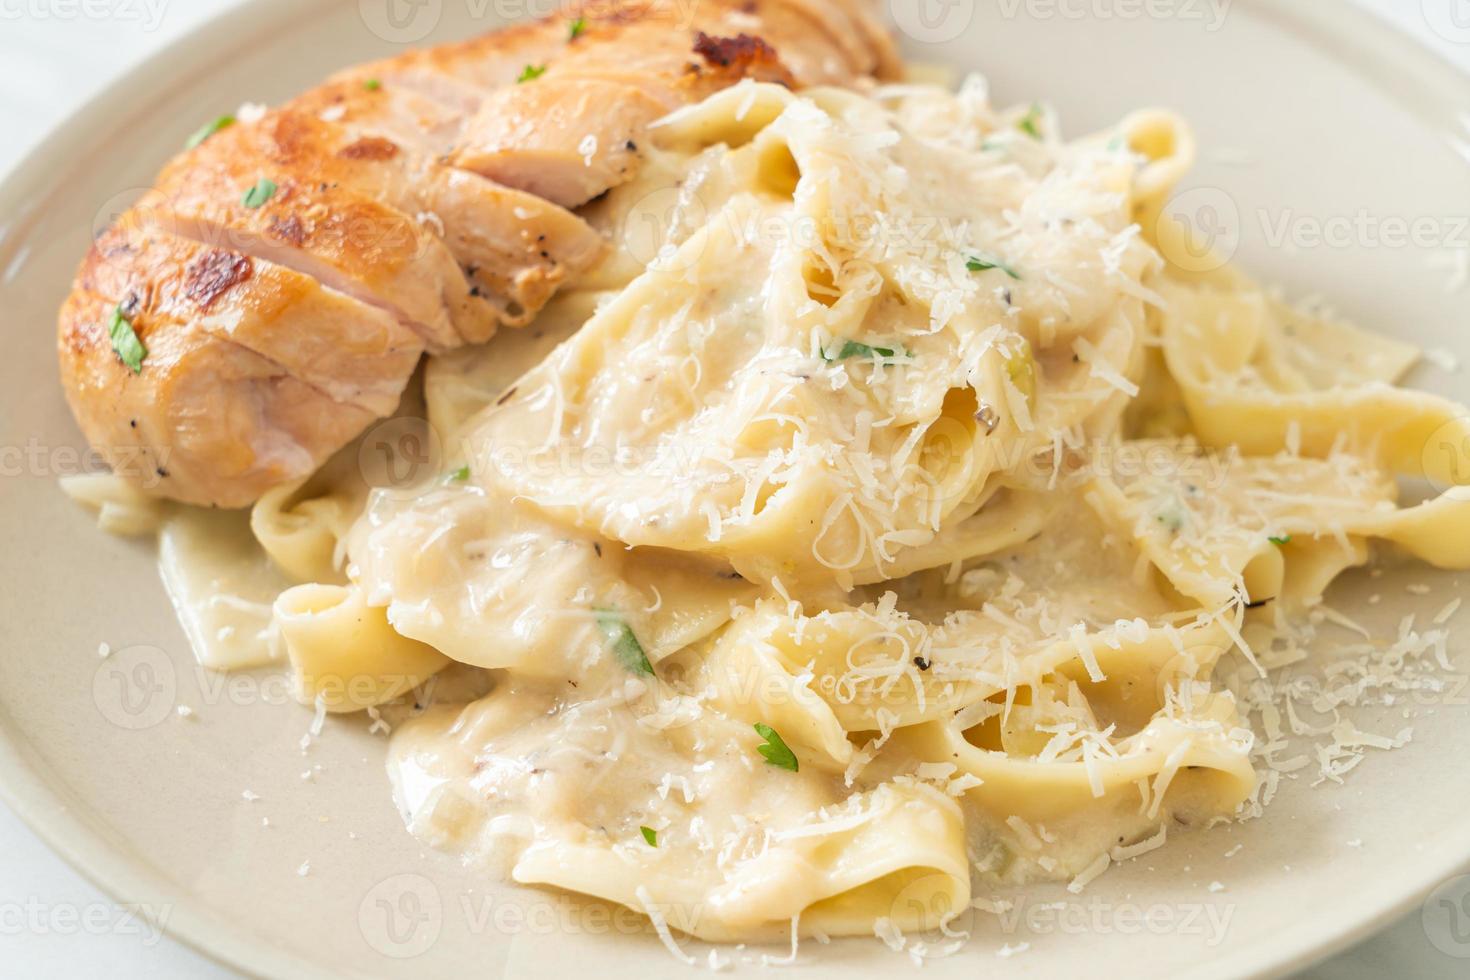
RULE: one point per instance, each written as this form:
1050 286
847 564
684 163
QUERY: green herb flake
531 73
1172 520
852 349
1280 542
460 475
125 341
209 129
650 835
776 752
258 195
577 28
984 263
624 641
372 85
1030 123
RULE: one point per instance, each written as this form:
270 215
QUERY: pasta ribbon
345 654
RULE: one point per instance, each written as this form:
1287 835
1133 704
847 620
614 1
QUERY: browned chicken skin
285 276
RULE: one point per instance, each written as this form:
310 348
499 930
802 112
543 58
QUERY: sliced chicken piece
823 42
354 353
573 132
276 191
462 73
515 248
806 37
395 112
867 48
415 203
567 140
519 249
210 421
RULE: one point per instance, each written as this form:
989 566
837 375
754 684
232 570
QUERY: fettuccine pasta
868 526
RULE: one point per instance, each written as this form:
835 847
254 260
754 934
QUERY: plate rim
1406 69
34 795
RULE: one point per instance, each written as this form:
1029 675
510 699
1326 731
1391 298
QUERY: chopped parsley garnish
262 192
460 475
1173 520
576 28
530 73
1117 143
854 349
125 341
208 130
650 835
984 263
1280 541
1030 122
776 752
626 648
372 84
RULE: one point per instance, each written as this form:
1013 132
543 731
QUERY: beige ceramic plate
1308 118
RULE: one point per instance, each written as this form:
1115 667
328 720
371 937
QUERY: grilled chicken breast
270 297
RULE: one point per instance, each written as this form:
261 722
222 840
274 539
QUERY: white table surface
52 59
